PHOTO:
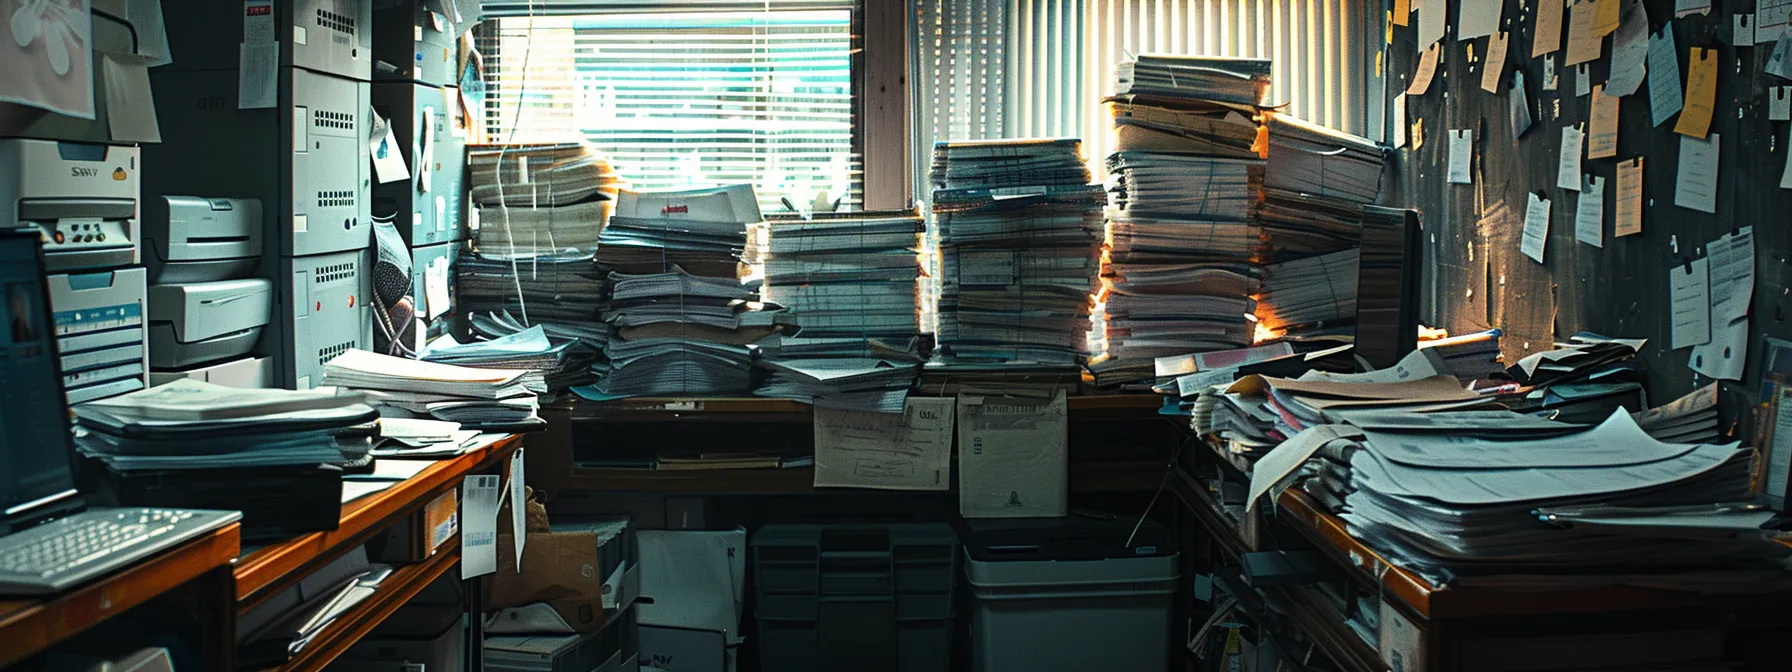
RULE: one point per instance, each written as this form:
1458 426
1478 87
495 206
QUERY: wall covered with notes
1488 185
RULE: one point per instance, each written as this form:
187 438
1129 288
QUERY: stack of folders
683 320
1689 419
853 383
1309 290
1474 356
553 363
562 293
1229 80
1595 507
540 198
1019 228
1581 380
189 424
847 277
486 399
1315 186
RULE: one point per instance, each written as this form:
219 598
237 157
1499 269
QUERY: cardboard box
419 535
562 569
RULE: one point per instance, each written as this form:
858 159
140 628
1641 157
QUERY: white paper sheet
152 31
1690 293
435 287
1536 227
1399 121
1568 162
1589 212
911 450
1726 355
1695 183
1280 463
1433 22
1478 19
519 498
478 525
1665 96
1583 80
257 75
382 147
1013 459
130 103
1462 153
1732 269
1630 51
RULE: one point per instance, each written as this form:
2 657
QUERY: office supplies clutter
487 399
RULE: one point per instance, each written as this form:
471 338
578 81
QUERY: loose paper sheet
1568 162
1399 121
1497 46
1701 93
519 498
1518 105
911 450
1664 76
130 104
435 286
1726 356
257 75
1691 295
1630 198
1462 152
1478 19
1548 36
1432 22
382 147
1690 7
1695 184
478 526
1584 43
1732 258
1603 141
1779 63
1630 51
1536 227
1013 461
1427 68
1284 460
1589 212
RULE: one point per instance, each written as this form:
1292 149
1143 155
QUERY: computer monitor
1387 286
37 477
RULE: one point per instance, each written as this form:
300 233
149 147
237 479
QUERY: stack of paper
702 231
1689 419
1470 356
552 363
539 175
849 276
1582 380
1312 290
1315 186
859 384
1227 80
1306 158
561 293
1018 227
189 424
473 397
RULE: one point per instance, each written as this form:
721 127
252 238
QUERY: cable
510 138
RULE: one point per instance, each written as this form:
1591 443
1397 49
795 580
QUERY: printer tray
277 502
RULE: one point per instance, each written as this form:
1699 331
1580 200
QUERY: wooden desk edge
267 570
349 628
28 627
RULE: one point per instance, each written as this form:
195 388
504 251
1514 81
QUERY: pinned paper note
1589 212
1536 227
1427 69
435 287
1518 106
1551 78
1742 32
1497 46
1418 134
1432 22
1732 258
1478 19
1602 129
1725 356
382 147
1690 292
257 75
1779 63
1779 103
1462 152
1568 162
1664 76
1630 51
1583 80
1695 184
1547 38
1606 21
1402 12
1630 198
478 525
1771 17
1399 121
1690 7
1584 43
1701 93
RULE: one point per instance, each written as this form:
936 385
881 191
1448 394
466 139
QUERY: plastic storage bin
1069 594
862 598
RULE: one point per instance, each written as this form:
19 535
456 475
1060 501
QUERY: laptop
50 540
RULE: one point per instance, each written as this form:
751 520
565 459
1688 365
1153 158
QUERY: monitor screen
35 462
1387 286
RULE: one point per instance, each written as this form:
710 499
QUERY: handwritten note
1664 76
1478 19
1568 162
1630 198
1548 35
1584 44
1603 128
1690 291
1606 21
1462 152
1497 46
1695 184
911 450
1701 93
1589 212
1630 51
1427 68
1536 227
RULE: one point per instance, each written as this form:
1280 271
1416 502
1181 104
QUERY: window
689 99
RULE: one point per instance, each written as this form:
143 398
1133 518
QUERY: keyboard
70 551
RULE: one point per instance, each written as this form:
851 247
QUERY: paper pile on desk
561 293
492 399
846 277
189 424
543 199
1018 227
1582 380
860 384
1229 80
1471 356
551 364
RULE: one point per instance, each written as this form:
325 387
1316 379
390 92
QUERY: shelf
762 409
404 584
30 626
1084 478
266 571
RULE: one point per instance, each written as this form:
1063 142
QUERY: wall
1476 277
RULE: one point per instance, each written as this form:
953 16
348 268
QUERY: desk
266 571
28 627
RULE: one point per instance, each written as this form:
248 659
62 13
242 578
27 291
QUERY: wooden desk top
30 626
266 571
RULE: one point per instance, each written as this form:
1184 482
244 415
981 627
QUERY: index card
1664 76
1497 46
1701 93
1584 43
1427 68
1630 198
1568 163
1536 227
1589 212
1547 37
1462 151
1690 292
1603 141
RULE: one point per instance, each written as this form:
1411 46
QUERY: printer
192 239
81 197
202 322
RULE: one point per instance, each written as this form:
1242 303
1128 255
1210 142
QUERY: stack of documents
1600 506
539 175
491 399
702 231
1689 419
189 424
1306 158
1227 80
1472 356
1019 227
562 293
859 384
1312 290
552 363
847 276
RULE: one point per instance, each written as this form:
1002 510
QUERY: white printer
81 196
192 239
201 322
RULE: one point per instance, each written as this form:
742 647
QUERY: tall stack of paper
1315 186
474 397
1309 290
189 424
1227 80
540 199
847 279
1018 228
560 292
681 315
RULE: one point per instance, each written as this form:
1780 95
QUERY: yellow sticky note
1607 21
1422 75
1583 41
1402 12
1497 46
1630 197
1701 93
1548 36
1602 143
1418 134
